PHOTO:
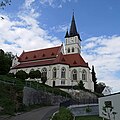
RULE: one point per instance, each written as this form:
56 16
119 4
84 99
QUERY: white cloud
48 2
28 3
55 3
104 53
24 32
59 28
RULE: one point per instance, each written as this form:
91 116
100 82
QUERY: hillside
11 93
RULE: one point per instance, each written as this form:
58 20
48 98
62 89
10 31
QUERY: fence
79 102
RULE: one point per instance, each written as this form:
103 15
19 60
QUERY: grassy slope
11 95
63 114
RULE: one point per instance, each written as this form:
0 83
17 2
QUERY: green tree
44 79
5 61
38 74
32 74
22 75
100 87
35 74
94 79
81 85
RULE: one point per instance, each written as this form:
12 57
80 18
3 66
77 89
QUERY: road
38 114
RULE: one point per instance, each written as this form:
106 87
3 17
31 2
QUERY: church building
62 66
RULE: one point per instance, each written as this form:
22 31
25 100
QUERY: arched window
44 72
68 50
54 72
63 71
84 75
74 74
73 49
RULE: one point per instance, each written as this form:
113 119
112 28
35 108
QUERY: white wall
115 99
68 79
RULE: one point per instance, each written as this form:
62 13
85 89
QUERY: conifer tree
94 79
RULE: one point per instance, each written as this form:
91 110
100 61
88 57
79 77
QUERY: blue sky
36 24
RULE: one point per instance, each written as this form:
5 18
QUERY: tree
5 61
22 75
81 85
32 74
44 79
100 87
94 79
38 74
35 74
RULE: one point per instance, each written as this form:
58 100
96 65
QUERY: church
63 65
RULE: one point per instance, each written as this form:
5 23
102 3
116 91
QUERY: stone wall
83 110
80 94
32 96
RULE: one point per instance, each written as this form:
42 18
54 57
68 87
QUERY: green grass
63 114
89 118
11 93
21 83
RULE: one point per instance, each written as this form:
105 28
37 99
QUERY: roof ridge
42 49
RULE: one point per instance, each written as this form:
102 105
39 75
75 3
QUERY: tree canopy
5 62
94 78
22 75
35 74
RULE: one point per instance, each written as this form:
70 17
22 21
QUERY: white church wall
68 78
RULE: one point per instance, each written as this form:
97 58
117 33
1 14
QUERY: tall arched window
68 50
54 72
73 49
63 71
44 72
74 74
84 75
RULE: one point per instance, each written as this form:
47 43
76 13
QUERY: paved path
38 114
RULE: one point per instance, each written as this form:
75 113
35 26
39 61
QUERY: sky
36 24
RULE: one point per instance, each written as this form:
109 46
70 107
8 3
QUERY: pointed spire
73 30
67 35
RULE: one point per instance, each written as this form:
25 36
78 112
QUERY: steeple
72 39
73 30
67 35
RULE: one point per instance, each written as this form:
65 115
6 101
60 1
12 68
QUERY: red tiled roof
49 56
73 60
33 64
40 54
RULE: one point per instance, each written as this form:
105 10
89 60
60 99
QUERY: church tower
72 39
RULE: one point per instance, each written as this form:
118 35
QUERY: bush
10 75
38 74
35 74
22 75
81 85
63 114
44 79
